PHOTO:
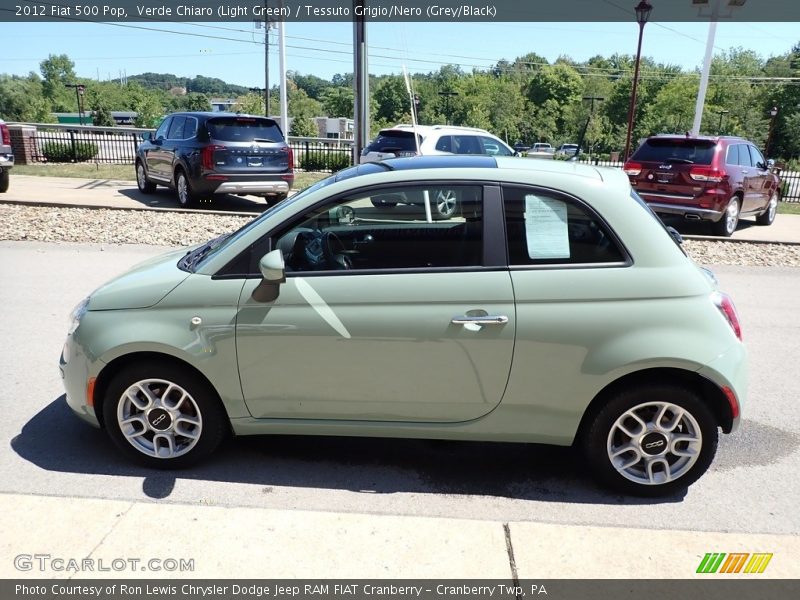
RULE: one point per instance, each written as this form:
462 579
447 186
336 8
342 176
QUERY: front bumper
75 373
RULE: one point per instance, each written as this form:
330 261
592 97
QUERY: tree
303 127
191 101
102 116
251 104
338 102
392 99
58 70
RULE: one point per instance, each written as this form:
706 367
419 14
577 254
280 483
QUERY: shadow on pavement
702 227
165 198
55 440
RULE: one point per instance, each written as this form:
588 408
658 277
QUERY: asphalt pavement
272 506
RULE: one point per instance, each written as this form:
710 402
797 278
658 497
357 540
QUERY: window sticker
546 229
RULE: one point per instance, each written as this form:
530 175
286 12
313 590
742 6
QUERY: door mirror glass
272 267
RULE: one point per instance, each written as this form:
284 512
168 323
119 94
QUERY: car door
760 181
570 277
385 314
750 176
171 145
154 155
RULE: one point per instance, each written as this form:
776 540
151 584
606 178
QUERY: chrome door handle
485 320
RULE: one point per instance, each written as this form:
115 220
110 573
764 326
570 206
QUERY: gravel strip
49 224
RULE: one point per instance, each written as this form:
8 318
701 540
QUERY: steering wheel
333 249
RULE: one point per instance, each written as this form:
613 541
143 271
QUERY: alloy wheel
654 443
159 418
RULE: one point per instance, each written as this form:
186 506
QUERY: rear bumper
687 211
266 184
6 161
253 187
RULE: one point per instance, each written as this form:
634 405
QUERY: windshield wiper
265 140
683 161
193 257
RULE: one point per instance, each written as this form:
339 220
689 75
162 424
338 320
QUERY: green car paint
376 354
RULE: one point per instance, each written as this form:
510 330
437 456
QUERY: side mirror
147 136
770 164
272 267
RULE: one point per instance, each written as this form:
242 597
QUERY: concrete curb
195 211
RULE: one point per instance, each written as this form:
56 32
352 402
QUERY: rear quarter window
394 141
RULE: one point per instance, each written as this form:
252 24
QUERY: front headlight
76 315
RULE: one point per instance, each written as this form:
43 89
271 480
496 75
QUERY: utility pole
447 95
360 81
267 25
588 121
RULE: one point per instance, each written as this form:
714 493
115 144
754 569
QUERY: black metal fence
321 154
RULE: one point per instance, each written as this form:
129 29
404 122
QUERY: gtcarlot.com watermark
66 564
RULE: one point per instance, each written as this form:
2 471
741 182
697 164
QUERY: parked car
556 309
567 150
541 150
200 154
716 179
6 157
432 140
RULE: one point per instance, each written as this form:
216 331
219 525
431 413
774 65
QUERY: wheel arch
705 388
108 372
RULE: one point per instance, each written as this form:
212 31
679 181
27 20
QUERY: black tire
201 404
5 181
598 443
277 198
183 190
142 182
768 216
730 218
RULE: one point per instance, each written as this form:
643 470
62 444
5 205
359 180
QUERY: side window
494 147
466 144
545 229
755 156
190 128
161 132
176 129
744 156
733 155
445 144
393 228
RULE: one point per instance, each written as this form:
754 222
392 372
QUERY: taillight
725 305
6 135
290 157
632 168
707 174
207 156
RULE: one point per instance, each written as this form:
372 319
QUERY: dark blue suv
204 153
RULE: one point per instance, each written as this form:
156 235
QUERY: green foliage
251 104
303 127
323 160
338 102
102 116
191 101
60 152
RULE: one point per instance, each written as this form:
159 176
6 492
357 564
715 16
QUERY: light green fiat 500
461 298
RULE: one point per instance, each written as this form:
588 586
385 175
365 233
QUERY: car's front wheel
651 440
162 415
768 216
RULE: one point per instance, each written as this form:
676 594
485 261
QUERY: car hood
146 284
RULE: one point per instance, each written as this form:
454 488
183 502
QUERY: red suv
716 179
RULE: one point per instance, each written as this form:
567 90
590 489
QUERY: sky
233 51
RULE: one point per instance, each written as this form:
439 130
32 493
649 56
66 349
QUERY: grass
789 208
123 172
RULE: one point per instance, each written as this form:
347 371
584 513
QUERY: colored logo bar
735 562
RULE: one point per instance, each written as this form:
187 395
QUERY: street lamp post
447 95
586 126
772 114
721 114
643 10
79 89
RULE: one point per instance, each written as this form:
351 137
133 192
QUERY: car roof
210 114
704 138
428 129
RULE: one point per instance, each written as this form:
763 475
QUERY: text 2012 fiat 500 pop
550 306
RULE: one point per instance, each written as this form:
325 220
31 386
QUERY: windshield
223 241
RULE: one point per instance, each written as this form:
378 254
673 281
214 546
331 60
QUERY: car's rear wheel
5 180
162 415
186 196
730 219
144 184
768 216
651 440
